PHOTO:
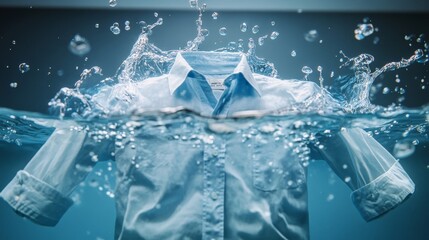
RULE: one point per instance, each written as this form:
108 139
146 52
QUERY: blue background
42 37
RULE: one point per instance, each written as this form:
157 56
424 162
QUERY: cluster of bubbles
115 28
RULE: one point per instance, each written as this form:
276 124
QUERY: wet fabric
183 180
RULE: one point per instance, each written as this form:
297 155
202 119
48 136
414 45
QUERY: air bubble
113 3
79 45
261 40
243 27
97 25
274 35
222 31
127 25
13 85
193 3
215 15
255 29
273 23
386 90
115 28
307 71
205 32
311 35
24 67
363 30
293 53
403 149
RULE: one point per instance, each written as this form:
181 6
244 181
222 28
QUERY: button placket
214 190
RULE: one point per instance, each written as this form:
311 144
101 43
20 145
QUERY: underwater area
372 69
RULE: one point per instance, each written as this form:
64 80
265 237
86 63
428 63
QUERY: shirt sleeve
41 190
378 181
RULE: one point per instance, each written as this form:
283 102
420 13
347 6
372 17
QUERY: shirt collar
210 60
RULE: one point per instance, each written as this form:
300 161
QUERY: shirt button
213 195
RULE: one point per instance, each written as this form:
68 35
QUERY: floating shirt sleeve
41 191
378 181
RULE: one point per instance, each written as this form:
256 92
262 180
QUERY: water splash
355 90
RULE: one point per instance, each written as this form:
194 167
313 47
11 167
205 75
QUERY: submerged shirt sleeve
378 181
41 191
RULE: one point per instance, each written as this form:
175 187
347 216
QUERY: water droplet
293 53
386 90
255 29
205 32
97 25
222 31
110 194
160 21
403 149
243 27
306 70
193 3
273 23
215 15
274 35
13 85
127 25
232 46
363 30
83 168
115 28
261 40
376 40
23 67
113 3
311 35
251 43
79 45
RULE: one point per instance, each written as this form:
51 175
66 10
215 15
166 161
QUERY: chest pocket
275 167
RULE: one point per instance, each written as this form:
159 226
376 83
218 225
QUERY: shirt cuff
35 199
384 193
